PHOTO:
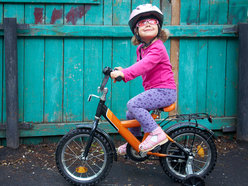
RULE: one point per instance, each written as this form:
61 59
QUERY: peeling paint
38 15
57 14
75 14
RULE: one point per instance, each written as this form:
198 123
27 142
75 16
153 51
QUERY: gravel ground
35 165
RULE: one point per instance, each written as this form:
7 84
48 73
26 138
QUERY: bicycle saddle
169 108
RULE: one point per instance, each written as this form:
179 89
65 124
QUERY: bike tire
75 170
175 168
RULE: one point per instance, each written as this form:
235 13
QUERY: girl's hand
118 68
115 74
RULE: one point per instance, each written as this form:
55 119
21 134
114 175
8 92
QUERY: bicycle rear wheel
69 158
202 146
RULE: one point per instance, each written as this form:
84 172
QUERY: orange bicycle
84 156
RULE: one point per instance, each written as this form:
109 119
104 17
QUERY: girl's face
147 31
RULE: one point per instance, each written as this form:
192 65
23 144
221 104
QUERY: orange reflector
200 151
81 169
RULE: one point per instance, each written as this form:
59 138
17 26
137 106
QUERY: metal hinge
230 30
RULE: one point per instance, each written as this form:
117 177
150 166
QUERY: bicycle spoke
200 161
175 165
90 168
77 144
72 164
70 154
95 164
70 159
71 150
197 166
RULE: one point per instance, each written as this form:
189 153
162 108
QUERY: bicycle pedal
142 154
156 149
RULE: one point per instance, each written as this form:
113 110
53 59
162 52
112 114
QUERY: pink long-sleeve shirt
154 67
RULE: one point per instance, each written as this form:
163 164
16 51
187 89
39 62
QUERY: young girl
154 66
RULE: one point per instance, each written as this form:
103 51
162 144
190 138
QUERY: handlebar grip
119 78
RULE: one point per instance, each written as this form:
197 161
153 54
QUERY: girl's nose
148 24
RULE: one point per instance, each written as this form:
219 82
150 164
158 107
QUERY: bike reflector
200 151
81 169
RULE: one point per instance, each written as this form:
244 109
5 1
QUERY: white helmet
145 11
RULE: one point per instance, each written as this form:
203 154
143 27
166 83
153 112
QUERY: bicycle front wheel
69 158
197 142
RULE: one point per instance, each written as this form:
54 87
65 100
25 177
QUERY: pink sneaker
154 139
122 149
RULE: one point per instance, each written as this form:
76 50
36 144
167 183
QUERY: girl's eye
143 22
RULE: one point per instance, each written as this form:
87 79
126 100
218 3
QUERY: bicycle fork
93 130
92 133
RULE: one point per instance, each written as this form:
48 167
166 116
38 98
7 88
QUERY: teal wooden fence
69 42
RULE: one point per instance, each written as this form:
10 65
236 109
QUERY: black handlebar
107 71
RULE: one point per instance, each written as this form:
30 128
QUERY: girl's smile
148 32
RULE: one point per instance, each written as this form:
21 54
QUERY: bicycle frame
122 128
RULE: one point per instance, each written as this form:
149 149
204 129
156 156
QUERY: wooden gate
69 42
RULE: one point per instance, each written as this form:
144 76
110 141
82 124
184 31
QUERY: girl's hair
163 36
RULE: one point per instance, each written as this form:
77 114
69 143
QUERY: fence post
11 75
242 110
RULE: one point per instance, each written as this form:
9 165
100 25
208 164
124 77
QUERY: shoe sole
161 143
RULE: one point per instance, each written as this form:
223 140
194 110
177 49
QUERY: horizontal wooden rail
124 31
54 129
53 1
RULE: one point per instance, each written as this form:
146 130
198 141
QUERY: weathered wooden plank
238 11
34 67
35 14
202 59
73 79
236 15
216 61
74 14
231 77
120 90
54 1
121 31
166 8
92 75
53 90
121 47
121 12
189 12
17 11
53 80
216 77
218 12
108 11
94 15
1 77
54 129
54 14
187 88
